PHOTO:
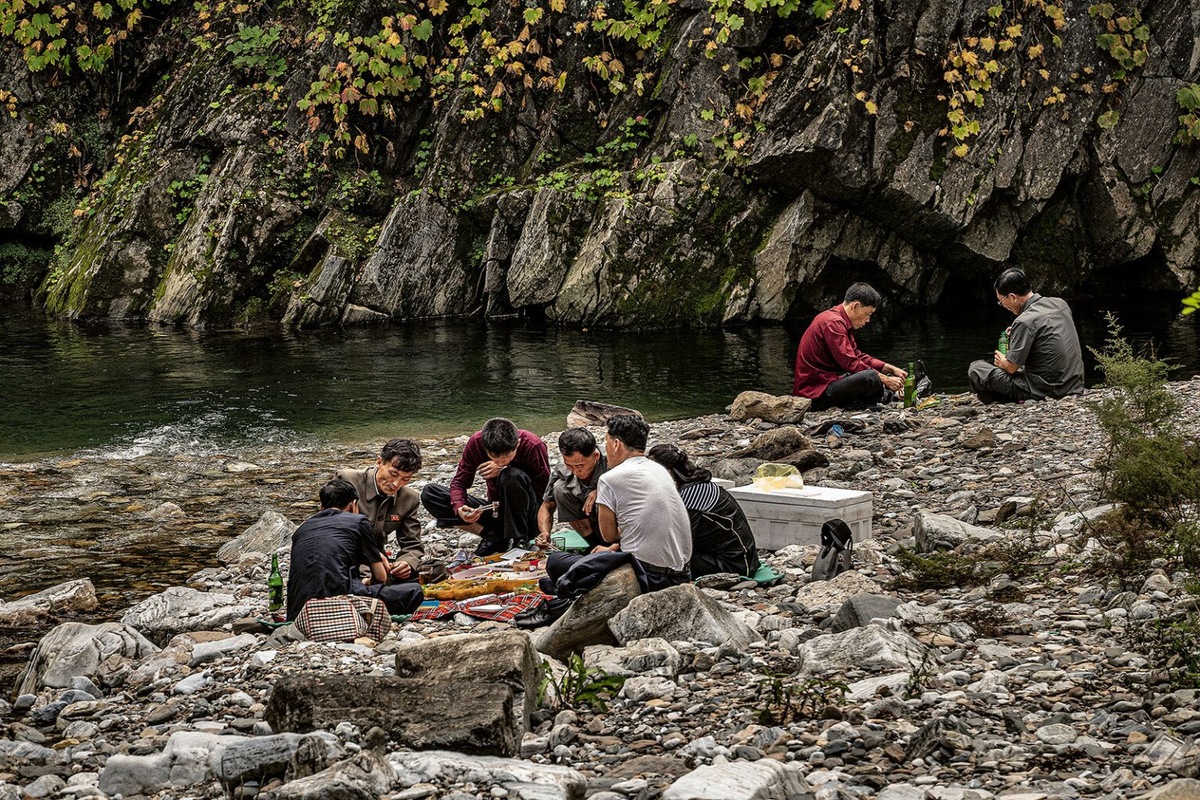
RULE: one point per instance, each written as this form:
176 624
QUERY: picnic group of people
655 510
1043 357
650 508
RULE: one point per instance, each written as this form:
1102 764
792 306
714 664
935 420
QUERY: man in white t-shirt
641 516
639 507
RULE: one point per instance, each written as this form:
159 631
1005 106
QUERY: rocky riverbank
1029 685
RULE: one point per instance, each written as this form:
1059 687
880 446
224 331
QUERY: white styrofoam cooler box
794 516
724 484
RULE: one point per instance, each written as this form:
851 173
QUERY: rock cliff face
699 171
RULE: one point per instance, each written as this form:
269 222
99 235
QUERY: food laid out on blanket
515 572
454 589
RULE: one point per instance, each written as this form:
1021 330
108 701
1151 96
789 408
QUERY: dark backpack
837 545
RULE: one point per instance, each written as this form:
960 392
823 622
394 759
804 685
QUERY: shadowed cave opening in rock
830 284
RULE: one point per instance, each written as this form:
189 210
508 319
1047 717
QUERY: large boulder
272 531
835 591
860 609
505 657
523 779
1178 789
587 413
77 595
468 716
764 779
180 609
185 761
774 444
680 613
191 758
783 409
871 647
942 532
586 621
652 657
73 649
365 776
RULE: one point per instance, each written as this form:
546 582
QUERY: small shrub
1170 644
939 570
988 620
782 696
1148 464
579 686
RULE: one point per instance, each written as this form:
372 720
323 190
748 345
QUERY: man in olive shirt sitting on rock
1043 359
385 499
572 488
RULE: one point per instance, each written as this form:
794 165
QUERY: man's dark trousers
515 524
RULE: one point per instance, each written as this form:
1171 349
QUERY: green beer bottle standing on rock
910 388
275 586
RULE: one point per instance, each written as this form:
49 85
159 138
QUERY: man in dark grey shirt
572 488
1044 358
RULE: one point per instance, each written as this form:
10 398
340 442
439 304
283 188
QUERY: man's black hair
403 454
1013 281
632 431
338 494
499 436
576 440
864 293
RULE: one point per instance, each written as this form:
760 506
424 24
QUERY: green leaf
423 30
823 9
1108 120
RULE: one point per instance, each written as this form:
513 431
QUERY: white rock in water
272 531
77 595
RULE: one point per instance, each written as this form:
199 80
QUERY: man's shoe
489 546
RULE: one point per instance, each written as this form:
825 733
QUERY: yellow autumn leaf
871 107
962 150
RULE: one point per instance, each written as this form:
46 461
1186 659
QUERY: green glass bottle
1002 346
910 388
275 586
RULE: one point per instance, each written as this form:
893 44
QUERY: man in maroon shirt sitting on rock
516 467
830 369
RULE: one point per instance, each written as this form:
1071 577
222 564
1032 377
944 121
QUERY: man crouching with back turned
327 550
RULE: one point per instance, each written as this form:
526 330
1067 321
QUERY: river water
133 390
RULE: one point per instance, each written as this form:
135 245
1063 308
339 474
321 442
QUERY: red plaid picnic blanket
482 607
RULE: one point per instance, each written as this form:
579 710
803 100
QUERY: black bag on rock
837 546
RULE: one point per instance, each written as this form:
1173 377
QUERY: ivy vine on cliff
976 62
